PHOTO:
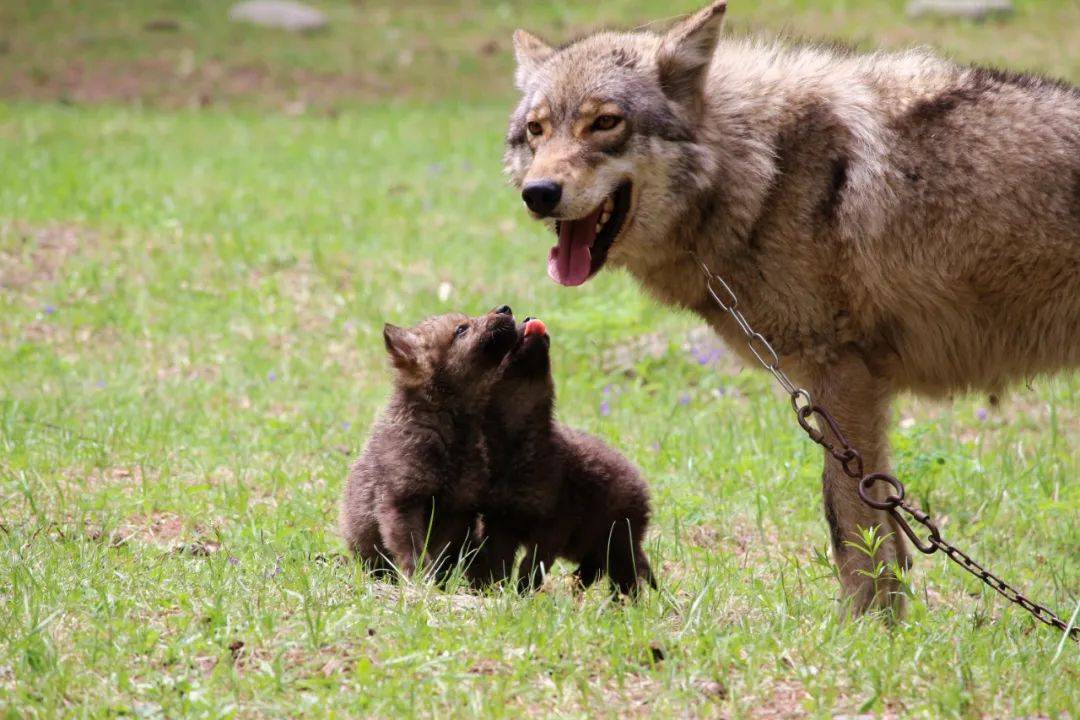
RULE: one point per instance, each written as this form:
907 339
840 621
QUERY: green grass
189 358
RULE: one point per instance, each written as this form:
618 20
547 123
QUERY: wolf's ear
401 346
531 53
686 50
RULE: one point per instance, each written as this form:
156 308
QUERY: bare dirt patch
786 700
163 530
176 84
31 255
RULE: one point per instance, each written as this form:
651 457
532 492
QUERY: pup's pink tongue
535 327
570 261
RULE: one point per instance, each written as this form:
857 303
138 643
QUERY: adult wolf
888 222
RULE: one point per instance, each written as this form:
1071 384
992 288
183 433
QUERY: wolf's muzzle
542 196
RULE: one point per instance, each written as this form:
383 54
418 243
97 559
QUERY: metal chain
852 463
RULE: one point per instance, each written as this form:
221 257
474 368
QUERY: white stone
283 14
973 9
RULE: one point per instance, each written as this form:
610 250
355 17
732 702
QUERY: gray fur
890 222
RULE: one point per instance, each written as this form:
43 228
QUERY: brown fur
889 222
558 492
413 495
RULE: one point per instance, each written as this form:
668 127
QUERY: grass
189 358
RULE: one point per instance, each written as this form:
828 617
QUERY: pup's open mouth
584 243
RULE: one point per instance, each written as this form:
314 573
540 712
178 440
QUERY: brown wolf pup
413 495
888 222
556 491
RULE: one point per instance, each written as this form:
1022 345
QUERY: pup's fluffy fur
889 222
557 492
413 495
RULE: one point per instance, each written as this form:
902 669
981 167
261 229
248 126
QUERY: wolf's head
604 137
452 358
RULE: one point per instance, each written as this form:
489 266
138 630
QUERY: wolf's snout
542 196
504 310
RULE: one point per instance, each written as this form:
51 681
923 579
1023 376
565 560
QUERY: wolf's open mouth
584 243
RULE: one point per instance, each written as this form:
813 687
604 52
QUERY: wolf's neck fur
793 142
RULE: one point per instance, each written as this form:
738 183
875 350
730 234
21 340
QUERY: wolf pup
413 495
888 222
556 491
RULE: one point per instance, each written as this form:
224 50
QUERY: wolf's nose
542 196
504 310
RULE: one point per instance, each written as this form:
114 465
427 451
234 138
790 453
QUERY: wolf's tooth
609 204
604 217
598 226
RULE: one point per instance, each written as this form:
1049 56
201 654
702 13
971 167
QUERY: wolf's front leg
859 402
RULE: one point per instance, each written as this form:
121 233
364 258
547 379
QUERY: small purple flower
706 355
684 399
233 561
49 309
982 414
605 408
655 446
271 376
345 425
99 384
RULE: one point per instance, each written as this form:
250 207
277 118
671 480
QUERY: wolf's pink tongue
570 261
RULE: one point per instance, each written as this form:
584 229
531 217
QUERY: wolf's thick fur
889 222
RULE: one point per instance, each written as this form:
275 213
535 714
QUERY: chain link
852 463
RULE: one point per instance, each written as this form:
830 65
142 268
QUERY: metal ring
888 503
800 393
802 414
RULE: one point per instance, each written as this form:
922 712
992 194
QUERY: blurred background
334 54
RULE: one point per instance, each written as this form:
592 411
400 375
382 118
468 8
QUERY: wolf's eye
535 128
606 122
460 330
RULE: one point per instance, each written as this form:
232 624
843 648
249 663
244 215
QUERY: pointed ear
531 53
401 346
686 50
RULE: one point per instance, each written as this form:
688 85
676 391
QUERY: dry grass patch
35 255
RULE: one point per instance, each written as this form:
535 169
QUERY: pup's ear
401 346
531 53
685 52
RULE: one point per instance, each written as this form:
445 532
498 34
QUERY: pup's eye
460 330
606 122
535 128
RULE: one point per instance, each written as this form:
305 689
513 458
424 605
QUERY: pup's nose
504 310
542 196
